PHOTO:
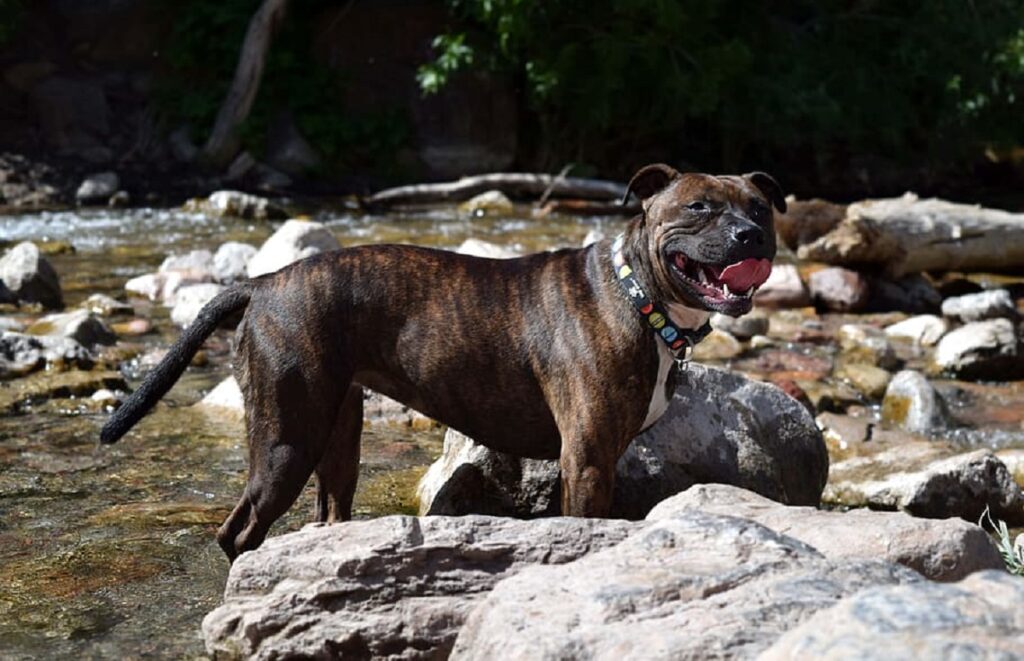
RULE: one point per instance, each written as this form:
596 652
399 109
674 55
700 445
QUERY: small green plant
1012 551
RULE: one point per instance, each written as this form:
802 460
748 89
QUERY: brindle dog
543 356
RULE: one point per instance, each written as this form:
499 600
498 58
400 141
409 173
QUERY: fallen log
513 184
910 235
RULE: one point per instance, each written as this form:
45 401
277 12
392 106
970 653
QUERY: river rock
396 586
231 203
911 403
80 325
925 329
295 240
742 328
979 618
867 379
839 290
718 345
190 300
489 202
197 263
866 344
97 188
24 393
231 261
941 550
226 397
962 485
22 354
719 427
107 306
913 294
30 276
378 409
481 248
991 304
981 350
783 289
692 586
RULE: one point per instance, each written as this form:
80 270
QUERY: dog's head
710 239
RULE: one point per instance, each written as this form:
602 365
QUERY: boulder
981 350
22 354
991 304
783 289
911 403
30 277
80 325
230 203
395 586
691 586
481 248
839 290
97 188
719 427
925 329
190 300
941 550
911 477
231 261
979 618
295 240
742 328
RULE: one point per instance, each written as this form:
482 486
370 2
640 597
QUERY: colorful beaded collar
675 338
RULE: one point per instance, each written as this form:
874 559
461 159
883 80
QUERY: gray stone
718 345
396 587
381 410
941 550
30 277
691 586
925 329
981 350
231 261
742 328
295 240
719 427
80 325
911 477
225 398
992 304
22 354
229 203
195 263
481 248
783 289
866 344
978 618
911 403
869 380
97 188
488 202
839 290
106 306
190 300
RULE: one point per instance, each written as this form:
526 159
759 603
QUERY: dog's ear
649 180
771 188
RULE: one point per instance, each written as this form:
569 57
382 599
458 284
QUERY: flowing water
109 551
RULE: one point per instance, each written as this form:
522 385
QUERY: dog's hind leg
338 471
289 422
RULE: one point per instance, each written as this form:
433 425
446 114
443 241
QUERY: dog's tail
163 376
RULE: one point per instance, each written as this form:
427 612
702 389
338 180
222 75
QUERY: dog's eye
758 212
697 206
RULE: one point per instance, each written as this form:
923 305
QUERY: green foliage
728 83
1012 552
202 53
11 14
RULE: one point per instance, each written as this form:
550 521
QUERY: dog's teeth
703 276
725 288
750 290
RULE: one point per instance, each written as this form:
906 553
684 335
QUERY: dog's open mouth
722 287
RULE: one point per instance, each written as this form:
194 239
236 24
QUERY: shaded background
840 99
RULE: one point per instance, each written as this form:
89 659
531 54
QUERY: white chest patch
660 396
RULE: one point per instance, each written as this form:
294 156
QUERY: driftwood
223 141
514 184
909 235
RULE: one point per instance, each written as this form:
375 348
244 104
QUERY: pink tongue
746 274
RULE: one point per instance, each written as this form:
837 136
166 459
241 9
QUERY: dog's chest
661 395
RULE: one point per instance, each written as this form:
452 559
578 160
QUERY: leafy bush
739 83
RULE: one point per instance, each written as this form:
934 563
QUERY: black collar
677 339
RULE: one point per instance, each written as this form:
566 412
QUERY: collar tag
680 341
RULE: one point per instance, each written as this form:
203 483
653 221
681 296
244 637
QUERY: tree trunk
511 183
223 143
908 235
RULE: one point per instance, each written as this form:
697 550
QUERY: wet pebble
911 403
925 329
718 345
992 304
839 290
866 344
783 289
868 379
744 327
80 325
981 350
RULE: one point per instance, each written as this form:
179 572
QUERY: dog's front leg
588 472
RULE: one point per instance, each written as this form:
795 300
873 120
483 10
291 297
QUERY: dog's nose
750 236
